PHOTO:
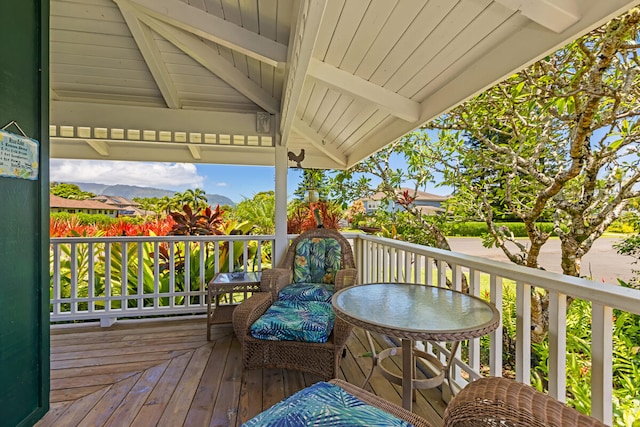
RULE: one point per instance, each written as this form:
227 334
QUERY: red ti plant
188 223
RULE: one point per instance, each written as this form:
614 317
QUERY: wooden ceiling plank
435 18
210 59
217 30
311 135
366 91
326 107
301 49
146 43
374 19
347 26
556 15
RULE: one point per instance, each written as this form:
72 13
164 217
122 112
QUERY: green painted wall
24 247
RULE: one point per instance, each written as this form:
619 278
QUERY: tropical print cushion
323 404
308 321
317 260
307 292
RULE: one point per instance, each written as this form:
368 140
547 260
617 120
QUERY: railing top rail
606 293
134 239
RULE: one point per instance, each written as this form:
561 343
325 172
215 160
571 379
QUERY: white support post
281 242
602 362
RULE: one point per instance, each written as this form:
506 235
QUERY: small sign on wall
18 156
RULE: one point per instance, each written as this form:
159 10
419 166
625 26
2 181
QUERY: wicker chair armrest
274 279
502 401
248 312
380 403
345 277
341 331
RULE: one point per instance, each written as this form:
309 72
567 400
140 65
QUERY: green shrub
95 219
478 229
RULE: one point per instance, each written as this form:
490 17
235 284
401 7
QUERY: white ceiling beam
212 61
116 116
301 44
556 15
217 30
311 135
384 99
152 56
101 147
195 152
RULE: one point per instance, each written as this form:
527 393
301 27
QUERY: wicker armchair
321 359
505 402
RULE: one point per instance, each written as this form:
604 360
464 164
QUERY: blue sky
234 182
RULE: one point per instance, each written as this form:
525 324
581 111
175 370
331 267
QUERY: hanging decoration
19 154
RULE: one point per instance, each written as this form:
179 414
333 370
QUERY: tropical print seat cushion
323 404
308 321
317 260
307 292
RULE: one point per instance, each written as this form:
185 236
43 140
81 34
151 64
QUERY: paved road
602 262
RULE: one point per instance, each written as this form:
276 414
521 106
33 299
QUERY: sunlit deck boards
165 373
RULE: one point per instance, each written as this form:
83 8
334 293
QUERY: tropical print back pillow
324 404
317 260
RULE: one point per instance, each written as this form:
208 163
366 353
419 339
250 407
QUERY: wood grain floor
165 373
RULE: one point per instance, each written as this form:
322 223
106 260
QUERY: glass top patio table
416 311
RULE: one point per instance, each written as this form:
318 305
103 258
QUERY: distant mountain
131 191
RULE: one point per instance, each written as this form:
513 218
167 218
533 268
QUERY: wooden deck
165 373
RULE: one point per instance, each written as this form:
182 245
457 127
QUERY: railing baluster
557 346
73 297
140 285
245 256
172 274
495 352
156 275
187 273
474 344
56 278
91 276
602 362
523 332
125 277
107 276
203 278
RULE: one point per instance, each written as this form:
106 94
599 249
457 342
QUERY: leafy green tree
258 211
196 199
69 191
562 139
313 179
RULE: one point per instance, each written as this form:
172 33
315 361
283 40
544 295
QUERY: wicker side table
228 284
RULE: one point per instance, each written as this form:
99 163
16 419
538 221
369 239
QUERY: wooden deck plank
166 373
127 411
225 409
202 404
178 407
100 413
157 401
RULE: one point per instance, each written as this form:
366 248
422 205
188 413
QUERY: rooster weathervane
298 158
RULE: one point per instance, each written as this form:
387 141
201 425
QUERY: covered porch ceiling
225 81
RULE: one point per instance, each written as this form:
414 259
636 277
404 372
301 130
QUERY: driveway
602 262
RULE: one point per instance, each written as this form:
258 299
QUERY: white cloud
172 176
221 184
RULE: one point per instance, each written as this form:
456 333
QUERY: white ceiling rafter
152 56
212 61
217 30
384 99
301 43
556 15
101 147
305 130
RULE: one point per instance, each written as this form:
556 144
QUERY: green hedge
477 229
85 218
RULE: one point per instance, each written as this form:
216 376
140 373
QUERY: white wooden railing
164 275
378 260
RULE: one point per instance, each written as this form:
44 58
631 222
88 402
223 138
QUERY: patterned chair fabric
306 321
317 260
307 292
324 404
